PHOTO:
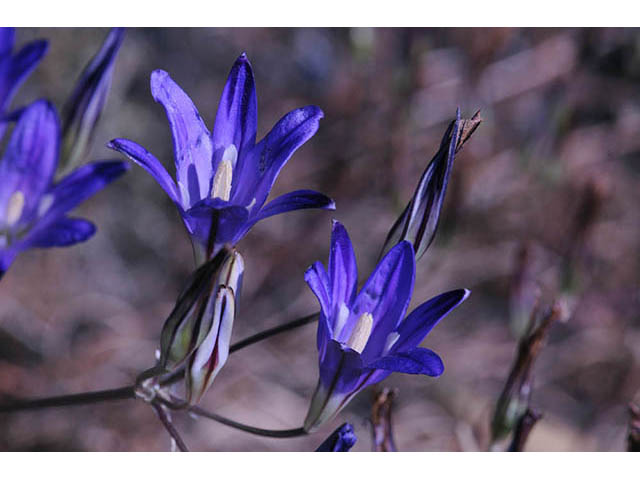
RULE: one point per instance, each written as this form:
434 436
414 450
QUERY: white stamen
361 333
392 338
224 174
15 207
184 195
231 155
253 202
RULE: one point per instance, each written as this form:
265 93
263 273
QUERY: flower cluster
223 179
33 206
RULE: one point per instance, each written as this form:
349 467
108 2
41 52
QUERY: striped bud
193 316
419 220
212 353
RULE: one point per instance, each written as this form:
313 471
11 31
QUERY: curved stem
168 424
85 398
129 391
294 432
272 331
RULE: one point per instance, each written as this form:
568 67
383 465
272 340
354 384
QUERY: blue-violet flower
223 178
341 440
364 337
32 208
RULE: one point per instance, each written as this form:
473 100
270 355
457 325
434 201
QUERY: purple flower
14 68
223 178
32 208
341 440
363 337
83 108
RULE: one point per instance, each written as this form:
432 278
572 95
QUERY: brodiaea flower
32 208
341 440
223 178
364 337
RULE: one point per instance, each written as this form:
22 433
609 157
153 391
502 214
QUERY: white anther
15 207
224 174
361 333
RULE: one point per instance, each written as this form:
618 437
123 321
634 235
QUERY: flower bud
419 221
194 313
211 355
83 108
341 440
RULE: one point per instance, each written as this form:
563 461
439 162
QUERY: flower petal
418 324
83 108
14 70
341 440
386 296
259 169
62 232
81 184
317 279
296 200
343 271
191 139
30 158
151 164
415 361
237 117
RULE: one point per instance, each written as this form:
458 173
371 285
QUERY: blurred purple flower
32 208
364 337
224 177
83 108
341 440
14 68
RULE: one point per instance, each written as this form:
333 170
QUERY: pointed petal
419 323
191 139
343 271
7 36
14 71
297 200
415 361
341 440
60 233
237 117
317 279
386 295
78 186
83 108
31 157
151 164
258 171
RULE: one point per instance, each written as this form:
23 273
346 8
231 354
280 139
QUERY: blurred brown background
554 167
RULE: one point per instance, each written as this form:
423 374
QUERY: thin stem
294 432
272 331
85 398
171 429
129 391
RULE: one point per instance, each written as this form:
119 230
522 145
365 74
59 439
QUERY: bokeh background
552 171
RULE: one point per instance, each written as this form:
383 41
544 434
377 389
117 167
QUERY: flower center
15 206
224 174
361 333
